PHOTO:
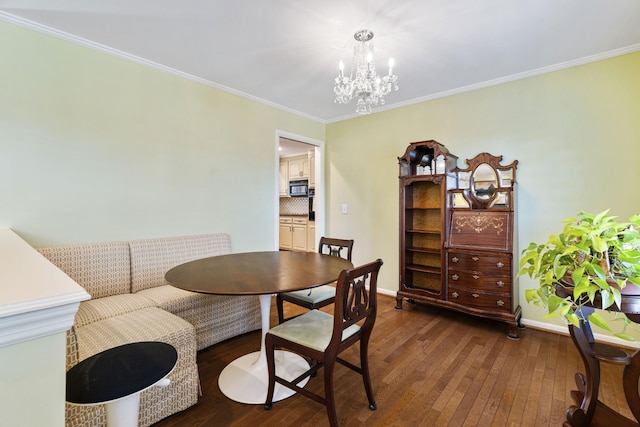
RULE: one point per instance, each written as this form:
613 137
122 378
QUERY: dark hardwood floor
429 367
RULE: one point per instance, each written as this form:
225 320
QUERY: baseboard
556 329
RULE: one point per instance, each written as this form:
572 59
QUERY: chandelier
363 83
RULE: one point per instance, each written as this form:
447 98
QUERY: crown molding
14 19
502 80
44 29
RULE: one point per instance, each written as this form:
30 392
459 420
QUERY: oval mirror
485 182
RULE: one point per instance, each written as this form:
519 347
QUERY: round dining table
245 379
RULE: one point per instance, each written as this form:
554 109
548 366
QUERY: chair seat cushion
314 295
312 329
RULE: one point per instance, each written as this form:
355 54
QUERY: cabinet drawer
480 300
300 221
486 282
285 220
496 265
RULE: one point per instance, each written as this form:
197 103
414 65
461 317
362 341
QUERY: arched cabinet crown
484 183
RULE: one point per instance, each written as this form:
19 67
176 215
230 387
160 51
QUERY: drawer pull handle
475 295
455 259
475 276
455 277
500 303
475 258
500 284
455 295
500 265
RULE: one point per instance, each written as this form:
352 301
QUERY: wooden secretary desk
457 237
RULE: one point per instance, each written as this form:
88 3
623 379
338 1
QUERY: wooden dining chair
321 337
319 296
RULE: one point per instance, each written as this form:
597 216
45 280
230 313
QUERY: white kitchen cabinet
311 237
283 184
286 233
299 167
293 235
299 230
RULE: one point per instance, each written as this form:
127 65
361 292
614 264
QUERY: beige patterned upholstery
215 317
98 309
102 269
152 258
155 311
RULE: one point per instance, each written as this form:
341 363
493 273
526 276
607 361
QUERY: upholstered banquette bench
131 301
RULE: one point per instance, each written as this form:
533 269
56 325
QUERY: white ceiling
285 52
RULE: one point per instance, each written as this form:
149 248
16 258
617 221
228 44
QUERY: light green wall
32 382
96 148
575 132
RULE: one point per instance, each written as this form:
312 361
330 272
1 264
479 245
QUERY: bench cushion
98 309
215 317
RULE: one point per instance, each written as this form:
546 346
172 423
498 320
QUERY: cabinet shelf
413 230
423 250
423 269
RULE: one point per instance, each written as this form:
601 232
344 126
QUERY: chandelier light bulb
363 83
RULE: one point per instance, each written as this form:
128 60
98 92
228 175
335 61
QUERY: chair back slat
357 304
354 302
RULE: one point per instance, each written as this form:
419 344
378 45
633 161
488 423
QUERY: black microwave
299 188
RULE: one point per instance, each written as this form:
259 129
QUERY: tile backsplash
294 206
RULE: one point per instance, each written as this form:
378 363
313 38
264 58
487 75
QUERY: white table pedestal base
245 380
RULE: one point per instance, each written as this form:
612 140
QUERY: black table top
119 372
257 273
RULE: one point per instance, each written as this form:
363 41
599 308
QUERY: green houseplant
589 263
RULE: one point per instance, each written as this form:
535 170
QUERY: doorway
295 147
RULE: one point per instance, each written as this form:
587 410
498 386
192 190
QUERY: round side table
117 376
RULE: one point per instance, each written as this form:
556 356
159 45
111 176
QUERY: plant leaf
626 337
573 318
597 320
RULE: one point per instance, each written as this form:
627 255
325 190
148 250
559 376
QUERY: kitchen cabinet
299 234
299 167
293 233
286 233
311 236
283 183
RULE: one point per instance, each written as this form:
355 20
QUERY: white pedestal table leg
123 412
245 380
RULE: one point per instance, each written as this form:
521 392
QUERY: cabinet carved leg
513 332
398 302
